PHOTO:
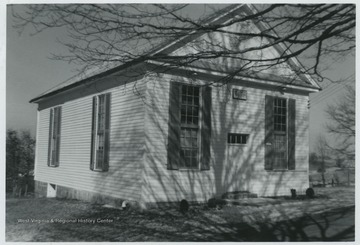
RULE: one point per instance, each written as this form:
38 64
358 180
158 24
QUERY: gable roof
220 17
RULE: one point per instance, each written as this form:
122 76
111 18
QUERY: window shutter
269 127
205 128
58 132
93 131
107 132
291 134
50 137
174 127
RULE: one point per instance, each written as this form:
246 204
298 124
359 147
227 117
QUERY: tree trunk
323 172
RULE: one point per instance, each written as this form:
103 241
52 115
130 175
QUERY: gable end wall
233 168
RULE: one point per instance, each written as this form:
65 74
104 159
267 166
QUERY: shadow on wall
123 180
138 173
233 168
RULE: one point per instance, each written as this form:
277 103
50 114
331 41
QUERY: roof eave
310 88
88 79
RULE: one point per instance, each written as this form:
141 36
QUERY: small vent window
239 139
239 94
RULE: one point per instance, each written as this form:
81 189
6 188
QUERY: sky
30 72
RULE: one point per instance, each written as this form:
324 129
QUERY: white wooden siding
210 40
232 167
123 179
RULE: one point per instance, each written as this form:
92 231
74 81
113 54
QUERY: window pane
190 100
183 110
183 119
189 111
186 142
194 142
190 90
196 91
193 133
195 111
238 139
244 139
196 101
189 120
194 153
183 90
183 99
187 132
187 162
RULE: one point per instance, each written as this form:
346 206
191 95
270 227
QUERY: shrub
310 192
184 206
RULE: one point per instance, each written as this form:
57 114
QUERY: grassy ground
54 220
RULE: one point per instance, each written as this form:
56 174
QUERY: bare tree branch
125 32
342 123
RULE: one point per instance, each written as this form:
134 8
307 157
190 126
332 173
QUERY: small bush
184 206
310 192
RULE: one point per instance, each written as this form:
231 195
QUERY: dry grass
44 220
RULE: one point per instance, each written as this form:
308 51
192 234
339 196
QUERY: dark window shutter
107 132
50 137
93 131
291 134
205 128
174 127
269 134
58 132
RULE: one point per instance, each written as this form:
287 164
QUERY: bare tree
116 34
322 150
342 124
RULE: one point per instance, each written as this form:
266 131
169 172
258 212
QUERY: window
189 128
280 115
54 137
239 139
279 133
100 133
189 138
239 94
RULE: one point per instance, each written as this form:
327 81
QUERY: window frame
239 94
282 132
190 127
280 116
240 135
100 102
54 137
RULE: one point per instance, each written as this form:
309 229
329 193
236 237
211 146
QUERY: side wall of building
73 176
233 167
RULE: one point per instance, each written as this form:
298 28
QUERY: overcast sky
29 72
